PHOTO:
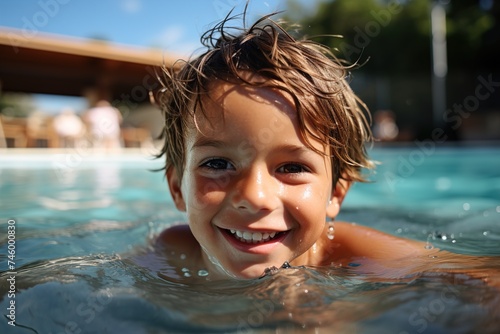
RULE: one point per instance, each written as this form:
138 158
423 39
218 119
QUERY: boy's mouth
254 237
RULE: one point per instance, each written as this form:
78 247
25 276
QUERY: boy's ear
174 184
338 194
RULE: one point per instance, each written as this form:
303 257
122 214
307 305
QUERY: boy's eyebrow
204 141
290 148
298 149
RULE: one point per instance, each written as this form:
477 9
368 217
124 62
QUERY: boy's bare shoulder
178 237
362 241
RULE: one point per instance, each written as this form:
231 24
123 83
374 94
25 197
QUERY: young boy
263 137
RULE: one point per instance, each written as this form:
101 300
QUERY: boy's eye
292 168
217 164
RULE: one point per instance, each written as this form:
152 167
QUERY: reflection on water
107 180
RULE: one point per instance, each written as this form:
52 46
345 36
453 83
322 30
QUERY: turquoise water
85 260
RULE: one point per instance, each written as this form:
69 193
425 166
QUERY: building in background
95 70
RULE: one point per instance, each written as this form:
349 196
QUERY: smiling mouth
254 237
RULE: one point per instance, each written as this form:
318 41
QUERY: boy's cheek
197 203
202 200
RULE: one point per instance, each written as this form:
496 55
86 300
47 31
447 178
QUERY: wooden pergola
34 62
53 64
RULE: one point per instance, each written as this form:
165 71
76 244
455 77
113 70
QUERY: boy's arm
353 240
389 256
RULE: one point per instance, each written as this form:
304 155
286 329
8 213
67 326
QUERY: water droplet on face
186 272
429 246
202 273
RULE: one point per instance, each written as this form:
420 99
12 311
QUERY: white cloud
131 6
171 35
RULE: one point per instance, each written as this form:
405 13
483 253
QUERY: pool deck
86 151
10 157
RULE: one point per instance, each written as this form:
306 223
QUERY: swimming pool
84 260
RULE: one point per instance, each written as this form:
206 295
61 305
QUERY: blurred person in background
69 127
103 122
384 126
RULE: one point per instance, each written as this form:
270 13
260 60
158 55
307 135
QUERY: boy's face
255 194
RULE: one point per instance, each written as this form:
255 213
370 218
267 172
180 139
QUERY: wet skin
254 193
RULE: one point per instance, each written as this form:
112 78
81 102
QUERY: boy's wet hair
327 108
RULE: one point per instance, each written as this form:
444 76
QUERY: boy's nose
255 191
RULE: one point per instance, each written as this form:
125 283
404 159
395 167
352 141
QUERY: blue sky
172 25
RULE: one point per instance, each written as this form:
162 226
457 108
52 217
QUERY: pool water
85 260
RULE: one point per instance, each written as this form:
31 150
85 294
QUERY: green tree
389 35
471 37
395 35
391 40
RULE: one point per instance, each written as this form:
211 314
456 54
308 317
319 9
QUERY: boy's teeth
255 237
